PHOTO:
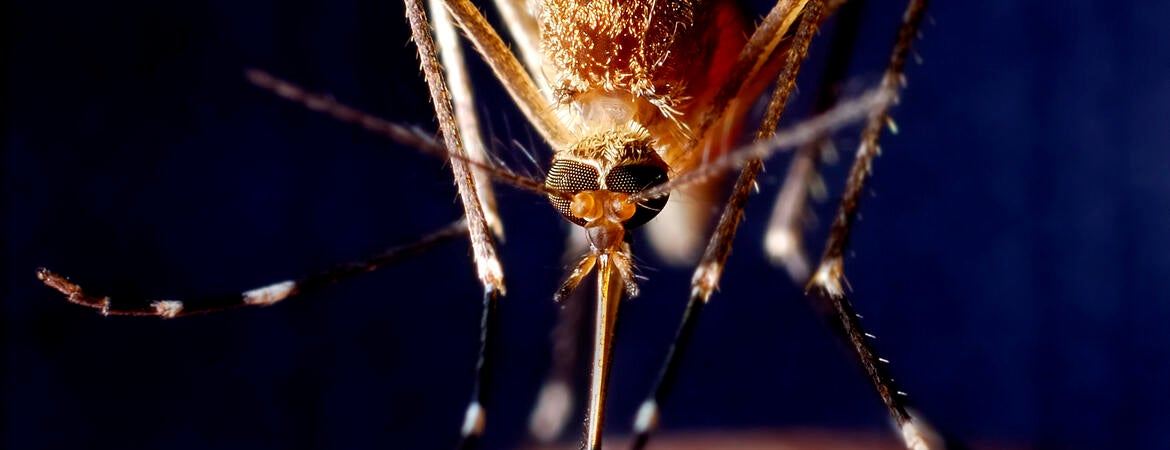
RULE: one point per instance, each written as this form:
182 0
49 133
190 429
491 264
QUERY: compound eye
570 177
634 178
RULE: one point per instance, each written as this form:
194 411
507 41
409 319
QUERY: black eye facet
570 177
634 178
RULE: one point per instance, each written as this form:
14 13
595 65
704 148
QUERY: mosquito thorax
597 175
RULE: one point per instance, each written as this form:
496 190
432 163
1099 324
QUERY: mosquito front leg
483 246
826 284
507 68
554 404
710 268
262 296
466 118
525 32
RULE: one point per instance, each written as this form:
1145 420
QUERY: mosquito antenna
795 136
402 134
262 296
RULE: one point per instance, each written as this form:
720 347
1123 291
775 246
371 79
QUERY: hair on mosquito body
623 141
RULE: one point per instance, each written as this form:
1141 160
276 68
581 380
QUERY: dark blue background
1012 258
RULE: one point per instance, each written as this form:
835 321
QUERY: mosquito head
598 174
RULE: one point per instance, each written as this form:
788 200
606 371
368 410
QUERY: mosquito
641 102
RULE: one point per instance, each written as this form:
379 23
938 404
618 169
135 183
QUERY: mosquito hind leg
261 296
784 238
826 283
710 268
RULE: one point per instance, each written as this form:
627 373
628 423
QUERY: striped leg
466 118
515 78
710 268
525 31
262 296
784 240
826 286
483 246
554 404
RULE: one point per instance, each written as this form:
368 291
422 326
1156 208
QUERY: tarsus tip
55 281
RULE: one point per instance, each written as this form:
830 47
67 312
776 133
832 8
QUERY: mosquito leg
554 404
525 33
483 246
474 418
262 296
451 53
488 265
516 80
783 241
826 287
710 268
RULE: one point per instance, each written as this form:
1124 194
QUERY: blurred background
1011 258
